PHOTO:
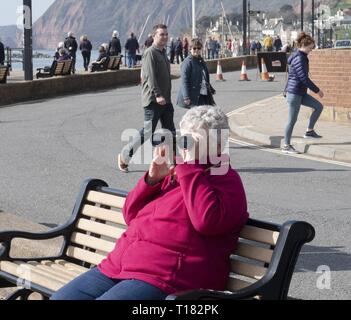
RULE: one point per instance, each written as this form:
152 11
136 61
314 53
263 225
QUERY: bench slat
84 255
106 199
248 270
61 268
71 266
252 252
260 235
100 228
235 284
48 270
103 214
46 281
92 242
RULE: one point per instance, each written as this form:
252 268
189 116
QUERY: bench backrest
3 74
59 67
115 62
67 67
264 250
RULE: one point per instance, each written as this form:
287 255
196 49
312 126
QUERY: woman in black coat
195 89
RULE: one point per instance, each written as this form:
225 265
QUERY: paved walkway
264 122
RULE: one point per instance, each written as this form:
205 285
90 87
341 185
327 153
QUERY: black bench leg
23 294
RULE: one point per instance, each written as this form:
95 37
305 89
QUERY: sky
8 10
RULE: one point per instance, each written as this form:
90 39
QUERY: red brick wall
331 71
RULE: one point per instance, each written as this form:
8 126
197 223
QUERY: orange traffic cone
243 75
265 75
219 76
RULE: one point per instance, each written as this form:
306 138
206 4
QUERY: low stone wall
49 88
330 69
13 93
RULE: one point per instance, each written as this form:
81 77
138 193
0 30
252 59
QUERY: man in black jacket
72 46
2 54
132 46
114 47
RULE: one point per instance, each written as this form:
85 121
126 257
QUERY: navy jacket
71 45
132 45
192 70
299 81
85 46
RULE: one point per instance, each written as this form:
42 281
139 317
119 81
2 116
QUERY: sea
43 62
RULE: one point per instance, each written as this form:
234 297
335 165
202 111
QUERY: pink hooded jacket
180 234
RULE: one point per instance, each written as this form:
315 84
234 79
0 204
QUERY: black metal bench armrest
6 237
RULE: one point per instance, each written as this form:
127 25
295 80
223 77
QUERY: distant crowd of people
68 49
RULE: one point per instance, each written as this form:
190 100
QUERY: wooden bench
3 74
261 266
61 68
114 62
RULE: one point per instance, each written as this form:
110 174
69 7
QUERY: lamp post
244 26
194 18
302 12
313 19
28 40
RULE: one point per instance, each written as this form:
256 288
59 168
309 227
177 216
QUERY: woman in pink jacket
183 223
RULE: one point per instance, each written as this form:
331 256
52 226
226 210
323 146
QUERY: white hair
61 45
115 34
70 34
209 123
204 118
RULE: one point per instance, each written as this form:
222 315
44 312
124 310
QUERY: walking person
114 46
172 50
156 95
277 44
132 47
208 45
298 83
185 47
179 50
2 54
85 47
195 89
72 46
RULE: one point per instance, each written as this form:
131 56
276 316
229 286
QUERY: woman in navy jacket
298 83
195 89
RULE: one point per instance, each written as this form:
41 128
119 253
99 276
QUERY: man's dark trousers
152 115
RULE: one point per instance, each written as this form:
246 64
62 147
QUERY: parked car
343 44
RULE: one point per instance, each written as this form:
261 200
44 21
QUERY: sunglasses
196 48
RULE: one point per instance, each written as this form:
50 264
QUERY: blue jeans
131 58
93 285
295 101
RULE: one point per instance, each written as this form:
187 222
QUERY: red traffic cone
219 76
243 75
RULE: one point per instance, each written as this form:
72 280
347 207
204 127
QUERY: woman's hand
159 168
321 94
